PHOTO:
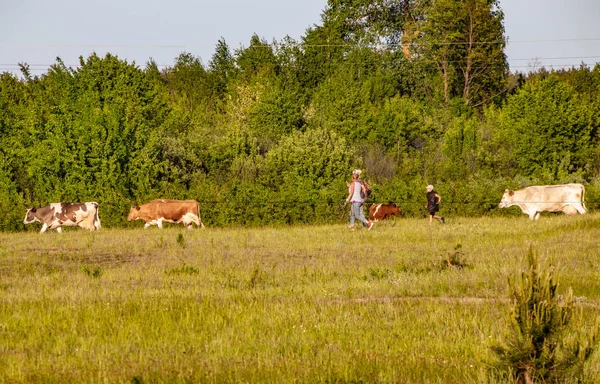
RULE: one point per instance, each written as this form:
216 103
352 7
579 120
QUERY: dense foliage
414 92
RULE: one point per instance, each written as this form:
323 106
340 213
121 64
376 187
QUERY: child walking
433 205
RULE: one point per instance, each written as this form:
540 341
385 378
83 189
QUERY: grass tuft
94 272
454 259
185 269
180 240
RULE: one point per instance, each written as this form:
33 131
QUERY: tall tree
188 82
257 59
222 68
465 42
482 63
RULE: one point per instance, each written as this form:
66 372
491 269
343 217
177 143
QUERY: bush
12 207
540 348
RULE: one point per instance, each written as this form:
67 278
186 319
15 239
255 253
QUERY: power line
357 45
452 61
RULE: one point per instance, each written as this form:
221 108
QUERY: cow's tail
200 223
97 223
585 210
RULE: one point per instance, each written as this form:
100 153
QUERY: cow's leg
196 220
580 209
147 225
44 227
59 229
537 216
159 223
570 210
188 226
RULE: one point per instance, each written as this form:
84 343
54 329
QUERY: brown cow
378 212
57 215
172 211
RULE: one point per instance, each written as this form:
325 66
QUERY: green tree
317 157
91 135
538 349
323 47
222 68
278 112
12 207
16 111
189 83
258 59
460 147
465 42
551 130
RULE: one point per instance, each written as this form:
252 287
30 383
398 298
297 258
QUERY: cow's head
507 199
30 216
395 210
134 213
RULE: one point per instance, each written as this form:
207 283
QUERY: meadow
405 302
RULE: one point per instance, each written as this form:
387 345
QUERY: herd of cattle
85 215
567 198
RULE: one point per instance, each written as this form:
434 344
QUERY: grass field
289 304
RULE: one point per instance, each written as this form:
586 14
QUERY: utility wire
297 44
420 60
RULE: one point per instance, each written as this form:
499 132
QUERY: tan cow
567 198
172 211
57 215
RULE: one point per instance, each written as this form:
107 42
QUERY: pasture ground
303 304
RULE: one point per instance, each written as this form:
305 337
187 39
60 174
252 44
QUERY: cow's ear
33 210
510 193
137 207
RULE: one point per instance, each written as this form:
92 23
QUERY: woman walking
356 198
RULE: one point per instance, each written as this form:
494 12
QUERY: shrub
540 349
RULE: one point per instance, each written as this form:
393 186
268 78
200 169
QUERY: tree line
414 92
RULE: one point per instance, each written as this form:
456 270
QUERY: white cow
58 215
567 198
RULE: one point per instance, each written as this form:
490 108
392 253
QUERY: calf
57 215
378 212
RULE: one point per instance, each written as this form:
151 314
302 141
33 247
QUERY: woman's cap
429 187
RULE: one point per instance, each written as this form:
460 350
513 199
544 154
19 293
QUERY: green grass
288 304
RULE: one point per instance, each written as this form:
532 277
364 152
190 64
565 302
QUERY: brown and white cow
378 212
567 198
57 215
173 211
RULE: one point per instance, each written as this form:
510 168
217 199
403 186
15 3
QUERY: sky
549 33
